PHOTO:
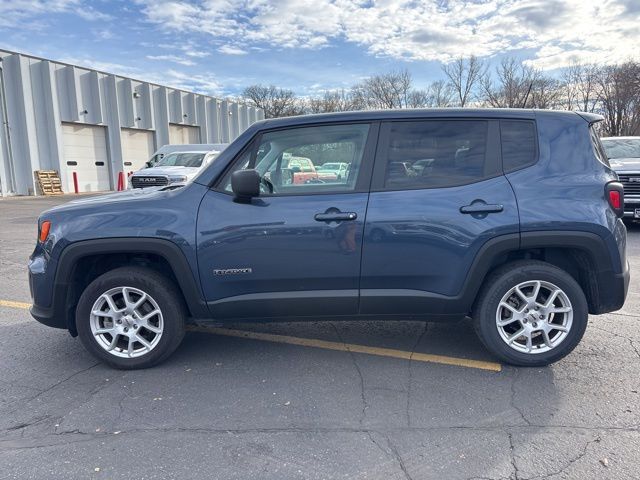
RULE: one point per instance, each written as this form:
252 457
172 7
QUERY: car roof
420 113
192 147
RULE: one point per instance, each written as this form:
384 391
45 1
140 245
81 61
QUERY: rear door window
436 154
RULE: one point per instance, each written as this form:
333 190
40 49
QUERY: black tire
163 292
499 282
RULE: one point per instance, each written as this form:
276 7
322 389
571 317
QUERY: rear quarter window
519 144
598 149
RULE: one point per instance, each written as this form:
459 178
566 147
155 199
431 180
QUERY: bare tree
276 102
509 86
546 93
514 85
417 99
580 87
389 90
464 75
332 101
618 98
439 94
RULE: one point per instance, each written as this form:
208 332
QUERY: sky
219 47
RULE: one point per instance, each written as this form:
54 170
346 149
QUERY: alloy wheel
126 322
534 317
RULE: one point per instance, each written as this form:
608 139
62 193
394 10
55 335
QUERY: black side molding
166 249
589 242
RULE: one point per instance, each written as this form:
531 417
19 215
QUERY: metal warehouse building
56 116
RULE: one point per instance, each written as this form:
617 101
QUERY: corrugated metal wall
38 95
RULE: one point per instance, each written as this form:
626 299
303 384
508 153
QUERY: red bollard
120 181
75 182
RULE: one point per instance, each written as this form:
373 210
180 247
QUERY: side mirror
245 184
147 164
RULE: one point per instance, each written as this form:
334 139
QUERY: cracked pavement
233 408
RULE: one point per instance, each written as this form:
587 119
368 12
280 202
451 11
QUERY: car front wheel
130 317
530 313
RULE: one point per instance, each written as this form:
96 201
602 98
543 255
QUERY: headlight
177 178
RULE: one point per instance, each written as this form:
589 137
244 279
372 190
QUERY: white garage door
137 148
85 153
182 134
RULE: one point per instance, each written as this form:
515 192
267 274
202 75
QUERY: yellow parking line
10 304
348 347
343 347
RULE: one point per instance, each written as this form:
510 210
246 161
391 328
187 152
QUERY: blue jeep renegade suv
511 217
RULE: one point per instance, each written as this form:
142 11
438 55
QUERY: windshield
181 160
622 147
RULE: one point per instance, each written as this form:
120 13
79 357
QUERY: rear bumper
612 291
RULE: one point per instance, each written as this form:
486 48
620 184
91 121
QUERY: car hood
189 172
117 197
621 165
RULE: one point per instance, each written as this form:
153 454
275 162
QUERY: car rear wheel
130 317
530 313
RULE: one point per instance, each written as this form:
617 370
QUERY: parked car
522 233
175 167
624 155
302 169
190 147
333 171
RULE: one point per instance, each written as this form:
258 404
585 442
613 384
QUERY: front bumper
630 205
47 317
42 284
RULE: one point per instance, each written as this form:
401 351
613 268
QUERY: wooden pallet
49 182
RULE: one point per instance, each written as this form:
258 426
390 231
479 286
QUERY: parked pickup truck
521 231
302 169
175 166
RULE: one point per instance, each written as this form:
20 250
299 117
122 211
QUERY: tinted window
436 153
289 160
519 144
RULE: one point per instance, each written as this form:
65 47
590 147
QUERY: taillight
615 196
44 231
614 199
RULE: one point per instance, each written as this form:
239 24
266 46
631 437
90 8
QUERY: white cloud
104 34
195 53
205 83
199 83
557 31
172 58
231 50
109 67
16 12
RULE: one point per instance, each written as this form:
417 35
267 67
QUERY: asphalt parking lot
433 404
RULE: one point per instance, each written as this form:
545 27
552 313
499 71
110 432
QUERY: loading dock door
182 134
137 148
85 153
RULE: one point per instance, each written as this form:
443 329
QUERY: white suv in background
175 166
